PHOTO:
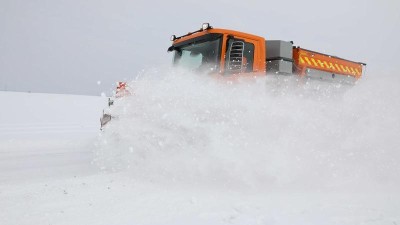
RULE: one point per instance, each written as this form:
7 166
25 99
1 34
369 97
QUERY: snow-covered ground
191 150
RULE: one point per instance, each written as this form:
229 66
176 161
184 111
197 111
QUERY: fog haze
84 47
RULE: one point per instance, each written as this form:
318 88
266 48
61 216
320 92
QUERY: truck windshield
199 56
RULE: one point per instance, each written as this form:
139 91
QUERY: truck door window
248 56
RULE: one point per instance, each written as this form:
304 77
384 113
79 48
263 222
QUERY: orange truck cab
228 52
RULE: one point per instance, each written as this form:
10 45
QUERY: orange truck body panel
306 59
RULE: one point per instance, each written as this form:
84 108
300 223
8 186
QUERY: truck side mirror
235 60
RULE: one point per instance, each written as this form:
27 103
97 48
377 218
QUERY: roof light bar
206 26
173 38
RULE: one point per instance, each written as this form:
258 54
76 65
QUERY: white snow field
189 149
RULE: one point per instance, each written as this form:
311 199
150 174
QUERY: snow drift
194 150
269 132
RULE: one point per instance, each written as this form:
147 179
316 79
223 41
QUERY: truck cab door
239 56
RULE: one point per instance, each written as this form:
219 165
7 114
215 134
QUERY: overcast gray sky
67 46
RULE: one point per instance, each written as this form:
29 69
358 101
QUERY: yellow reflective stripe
331 66
347 68
358 72
308 61
352 70
301 60
344 70
320 63
326 64
338 68
315 63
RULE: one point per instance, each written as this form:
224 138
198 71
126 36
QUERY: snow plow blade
104 120
122 91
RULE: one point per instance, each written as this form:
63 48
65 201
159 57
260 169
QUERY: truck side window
248 56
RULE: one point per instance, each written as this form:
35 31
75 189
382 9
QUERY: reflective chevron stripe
330 64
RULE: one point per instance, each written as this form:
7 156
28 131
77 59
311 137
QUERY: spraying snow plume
257 133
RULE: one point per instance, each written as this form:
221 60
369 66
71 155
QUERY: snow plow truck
228 52
234 54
